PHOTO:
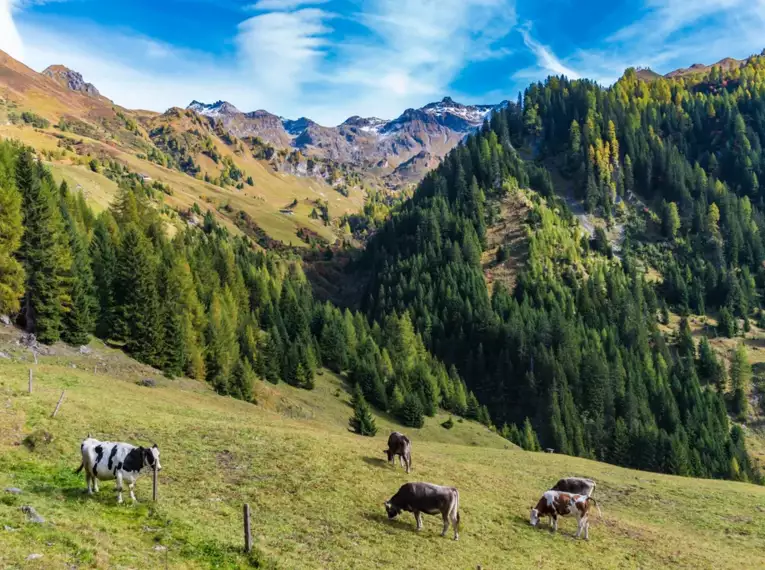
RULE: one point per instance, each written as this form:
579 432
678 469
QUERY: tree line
204 303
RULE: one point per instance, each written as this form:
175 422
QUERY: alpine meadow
569 283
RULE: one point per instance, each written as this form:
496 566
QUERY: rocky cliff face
70 79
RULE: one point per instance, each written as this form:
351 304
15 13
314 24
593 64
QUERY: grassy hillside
317 490
74 127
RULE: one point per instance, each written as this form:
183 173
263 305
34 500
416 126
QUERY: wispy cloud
271 5
292 57
547 61
10 40
668 35
282 50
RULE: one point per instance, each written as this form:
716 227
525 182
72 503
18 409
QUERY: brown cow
556 503
575 485
399 444
418 498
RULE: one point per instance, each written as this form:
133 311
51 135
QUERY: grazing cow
106 460
399 444
575 485
556 503
418 498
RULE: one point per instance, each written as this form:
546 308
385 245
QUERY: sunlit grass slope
315 489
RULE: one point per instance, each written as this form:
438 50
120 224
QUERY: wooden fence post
61 399
155 482
30 380
247 534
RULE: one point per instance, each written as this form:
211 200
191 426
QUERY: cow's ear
154 446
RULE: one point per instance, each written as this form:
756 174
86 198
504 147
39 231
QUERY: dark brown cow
399 444
430 499
556 503
575 485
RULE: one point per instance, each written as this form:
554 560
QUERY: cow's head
151 457
393 511
389 453
534 519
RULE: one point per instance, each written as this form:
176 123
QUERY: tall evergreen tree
740 379
11 230
362 421
137 320
80 319
44 252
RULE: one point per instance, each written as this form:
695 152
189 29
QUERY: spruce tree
137 320
529 440
740 377
103 255
362 421
44 252
11 230
411 413
80 319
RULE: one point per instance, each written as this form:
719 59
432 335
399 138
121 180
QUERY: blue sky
329 59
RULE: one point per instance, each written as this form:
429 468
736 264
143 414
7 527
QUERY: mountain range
386 147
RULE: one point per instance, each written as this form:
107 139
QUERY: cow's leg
401 460
455 517
89 483
418 518
131 486
408 465
587 528
579 523
446 524
555 524
119 487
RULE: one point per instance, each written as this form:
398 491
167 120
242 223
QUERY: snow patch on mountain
216 109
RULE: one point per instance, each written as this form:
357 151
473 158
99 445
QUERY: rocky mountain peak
70 79
216 109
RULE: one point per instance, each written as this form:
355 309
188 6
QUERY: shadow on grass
375 461
382 518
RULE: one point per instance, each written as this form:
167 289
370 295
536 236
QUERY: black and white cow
106 460
418 498
575 485
399 444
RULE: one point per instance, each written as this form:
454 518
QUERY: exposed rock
160 548
13 490
34 556
5 319
32 514
9 528
86 350
147 382
71 80
4 355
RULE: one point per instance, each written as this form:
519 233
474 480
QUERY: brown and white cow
556 503
399 444
418 498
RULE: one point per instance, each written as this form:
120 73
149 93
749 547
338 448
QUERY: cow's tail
600 513
456 508
77 471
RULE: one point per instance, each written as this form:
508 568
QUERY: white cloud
416 49
670 34
271 5
291 57
547 61
10 40
281 50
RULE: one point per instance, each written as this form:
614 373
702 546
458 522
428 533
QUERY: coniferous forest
573 357
575 348
203 304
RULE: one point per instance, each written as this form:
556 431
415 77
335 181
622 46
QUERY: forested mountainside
576 347
203 304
